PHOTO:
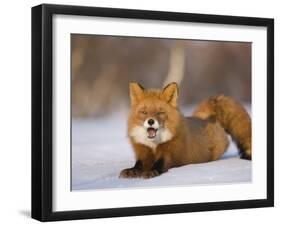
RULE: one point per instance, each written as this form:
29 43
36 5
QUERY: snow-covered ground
100 150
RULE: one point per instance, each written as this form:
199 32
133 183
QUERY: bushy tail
232 117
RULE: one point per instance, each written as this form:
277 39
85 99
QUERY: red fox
163 138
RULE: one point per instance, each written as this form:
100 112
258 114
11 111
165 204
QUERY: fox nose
150 122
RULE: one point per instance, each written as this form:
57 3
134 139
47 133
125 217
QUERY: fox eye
143 112
160 113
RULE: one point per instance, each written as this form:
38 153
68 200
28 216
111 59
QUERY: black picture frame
42 108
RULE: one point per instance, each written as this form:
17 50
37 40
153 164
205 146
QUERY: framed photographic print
140 112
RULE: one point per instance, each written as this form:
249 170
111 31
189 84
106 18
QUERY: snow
100 150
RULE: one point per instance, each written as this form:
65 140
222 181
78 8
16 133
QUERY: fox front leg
133 172
157 169
138 170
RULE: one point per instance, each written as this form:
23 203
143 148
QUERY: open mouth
151 132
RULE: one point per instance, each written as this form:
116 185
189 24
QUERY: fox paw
130 173
246 156
150 174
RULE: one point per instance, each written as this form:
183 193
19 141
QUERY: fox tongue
151 132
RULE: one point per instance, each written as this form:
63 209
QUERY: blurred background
103 66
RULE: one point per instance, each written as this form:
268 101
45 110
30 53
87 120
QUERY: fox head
154 116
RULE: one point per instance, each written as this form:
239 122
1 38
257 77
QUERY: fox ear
170 94
136 92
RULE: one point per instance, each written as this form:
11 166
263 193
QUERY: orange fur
178 140
232 117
